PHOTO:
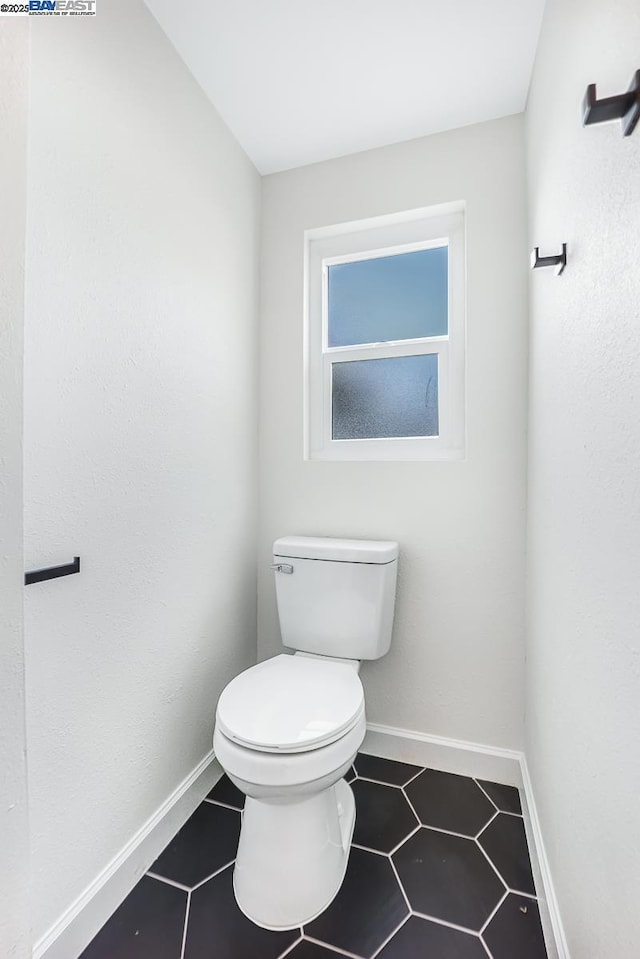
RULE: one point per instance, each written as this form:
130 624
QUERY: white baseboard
508 766
77 926
555 938
449 755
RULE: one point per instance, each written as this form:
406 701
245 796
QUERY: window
385 338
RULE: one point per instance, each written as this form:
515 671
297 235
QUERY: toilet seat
291 704
286 773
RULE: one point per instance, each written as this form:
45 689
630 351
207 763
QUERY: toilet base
293 855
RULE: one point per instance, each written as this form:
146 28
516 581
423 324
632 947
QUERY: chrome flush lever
282 568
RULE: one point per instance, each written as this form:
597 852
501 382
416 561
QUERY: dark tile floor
439 869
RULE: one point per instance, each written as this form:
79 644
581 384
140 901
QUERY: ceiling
303 80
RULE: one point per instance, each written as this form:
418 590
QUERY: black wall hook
52 572
625 107
559 260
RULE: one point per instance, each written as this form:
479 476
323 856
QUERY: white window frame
385 236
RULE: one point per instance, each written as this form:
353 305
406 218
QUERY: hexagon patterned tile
384 817
505 843
367 910
450 802
207 842
215 918
439 866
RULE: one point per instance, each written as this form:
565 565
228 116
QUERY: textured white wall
140 433
14 839
456 663
583 649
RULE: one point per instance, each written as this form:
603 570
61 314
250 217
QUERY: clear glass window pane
386 298
391 397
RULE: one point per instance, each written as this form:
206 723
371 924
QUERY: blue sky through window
397 297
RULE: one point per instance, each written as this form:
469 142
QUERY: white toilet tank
336 597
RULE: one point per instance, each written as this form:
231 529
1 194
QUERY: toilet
288 729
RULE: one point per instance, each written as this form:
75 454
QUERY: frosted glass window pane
397 297
395 396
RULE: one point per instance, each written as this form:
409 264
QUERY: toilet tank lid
337 550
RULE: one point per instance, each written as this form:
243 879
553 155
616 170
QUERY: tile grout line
487 824
483 790
494 803
411 806
330 948
402 889
380 782
445 922
225 805
486 947
449 832
374 852
491 863
186 923
169 882
422 825
406 839
213 875
419 773
517 892
393 851
525 895
288 950
492 914
501 812
376 782
389 938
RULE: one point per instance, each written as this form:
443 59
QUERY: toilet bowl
288 729
299 813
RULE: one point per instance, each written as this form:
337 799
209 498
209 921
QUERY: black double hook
625 107
559 260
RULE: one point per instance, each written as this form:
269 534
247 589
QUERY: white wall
140 433
456 663
14 839
583 651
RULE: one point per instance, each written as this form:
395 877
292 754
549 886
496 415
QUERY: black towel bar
52 572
